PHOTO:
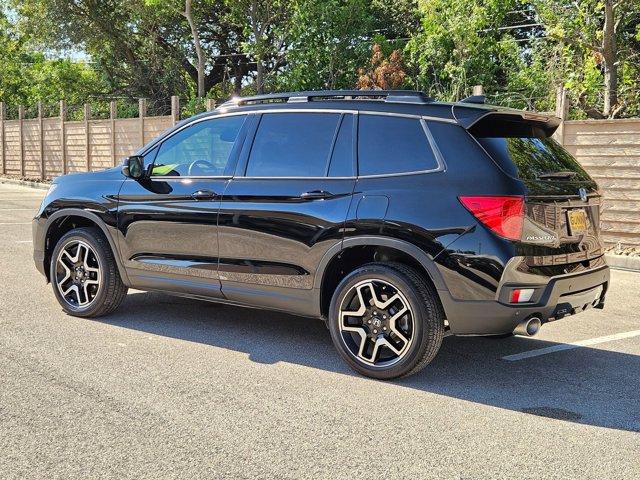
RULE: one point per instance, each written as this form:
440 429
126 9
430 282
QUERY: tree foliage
28 76
521 51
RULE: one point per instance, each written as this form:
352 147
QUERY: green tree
263 23
143 49
596 44
27 76
459 45
327 43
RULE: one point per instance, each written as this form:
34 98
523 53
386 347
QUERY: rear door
285 207
563 203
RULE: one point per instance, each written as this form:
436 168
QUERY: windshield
534 158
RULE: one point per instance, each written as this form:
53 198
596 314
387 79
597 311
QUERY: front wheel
386 320
84 274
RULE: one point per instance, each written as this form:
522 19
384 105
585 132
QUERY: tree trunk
196 42
257 30
610 57
259 77
237 84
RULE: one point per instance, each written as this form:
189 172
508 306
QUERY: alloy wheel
376 323
78 274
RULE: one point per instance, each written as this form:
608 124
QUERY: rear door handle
203 195
316 194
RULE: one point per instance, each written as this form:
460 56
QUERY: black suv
396 218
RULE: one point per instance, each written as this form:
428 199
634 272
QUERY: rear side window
388 144
524 150
292 145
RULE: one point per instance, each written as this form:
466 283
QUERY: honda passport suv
395 218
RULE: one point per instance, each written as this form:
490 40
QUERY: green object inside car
163 169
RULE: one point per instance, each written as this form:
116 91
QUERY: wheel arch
418 258
54 229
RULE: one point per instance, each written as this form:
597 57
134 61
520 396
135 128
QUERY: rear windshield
526 152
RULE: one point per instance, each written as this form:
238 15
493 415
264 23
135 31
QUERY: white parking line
16 209
15 223
570 346
24 241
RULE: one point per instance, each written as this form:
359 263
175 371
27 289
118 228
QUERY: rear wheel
386 320
84 274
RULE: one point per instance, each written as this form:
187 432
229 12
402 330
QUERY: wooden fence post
63 143
21 129
41 132
142 112
2 115
175 109
562 112
211 104
113 113
87 131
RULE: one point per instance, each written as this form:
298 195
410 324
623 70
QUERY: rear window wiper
553 175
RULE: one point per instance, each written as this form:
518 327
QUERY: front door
285 208
168 221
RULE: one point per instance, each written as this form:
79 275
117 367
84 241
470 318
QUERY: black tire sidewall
103 259
420 323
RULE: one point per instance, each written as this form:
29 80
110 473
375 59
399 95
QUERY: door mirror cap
134 167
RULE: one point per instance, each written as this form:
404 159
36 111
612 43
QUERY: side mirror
134 167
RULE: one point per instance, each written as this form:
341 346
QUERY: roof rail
393 96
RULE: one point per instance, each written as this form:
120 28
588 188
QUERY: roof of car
409 102
465 113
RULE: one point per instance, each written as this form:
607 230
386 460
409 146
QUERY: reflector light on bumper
521 295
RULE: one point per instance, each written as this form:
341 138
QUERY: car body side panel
168 239
93 196
272 241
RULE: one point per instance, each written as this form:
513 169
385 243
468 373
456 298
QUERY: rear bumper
561 296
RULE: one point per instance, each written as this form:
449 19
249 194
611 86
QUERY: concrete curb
25 183
623 262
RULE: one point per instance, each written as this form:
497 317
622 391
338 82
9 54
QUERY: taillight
503 215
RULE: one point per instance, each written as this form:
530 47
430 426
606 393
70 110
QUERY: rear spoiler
481 119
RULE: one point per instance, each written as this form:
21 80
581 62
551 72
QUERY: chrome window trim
294 178
423 119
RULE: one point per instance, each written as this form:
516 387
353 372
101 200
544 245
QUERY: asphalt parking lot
170 387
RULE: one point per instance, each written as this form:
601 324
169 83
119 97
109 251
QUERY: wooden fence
47 147
610 151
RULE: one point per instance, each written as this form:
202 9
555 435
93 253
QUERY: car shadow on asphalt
585 385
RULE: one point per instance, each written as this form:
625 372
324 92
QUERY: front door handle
203 195
316 194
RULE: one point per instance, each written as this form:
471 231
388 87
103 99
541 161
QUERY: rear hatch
562 203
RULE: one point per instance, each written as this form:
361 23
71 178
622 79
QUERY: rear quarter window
388 145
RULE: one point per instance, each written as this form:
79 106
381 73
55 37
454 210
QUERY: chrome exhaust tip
528 327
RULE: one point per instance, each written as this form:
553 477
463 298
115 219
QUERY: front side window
388 144
202 149
292 145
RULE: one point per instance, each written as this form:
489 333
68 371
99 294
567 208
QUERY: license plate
577 220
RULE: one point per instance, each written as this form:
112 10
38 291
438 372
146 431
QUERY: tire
89 299
423 327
